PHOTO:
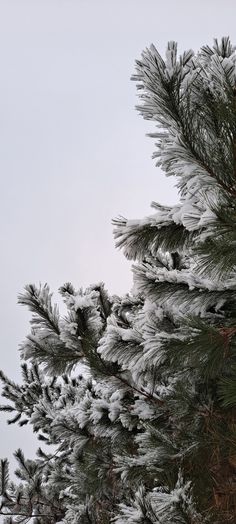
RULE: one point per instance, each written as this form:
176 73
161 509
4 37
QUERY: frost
143 410
82 302
126 334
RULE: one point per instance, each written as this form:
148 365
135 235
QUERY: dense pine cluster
134 397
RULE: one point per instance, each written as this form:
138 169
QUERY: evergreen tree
145 431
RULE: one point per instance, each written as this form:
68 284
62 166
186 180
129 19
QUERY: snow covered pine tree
150 435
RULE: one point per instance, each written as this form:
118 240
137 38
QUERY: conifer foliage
144 432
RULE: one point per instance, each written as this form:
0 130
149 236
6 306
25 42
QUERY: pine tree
145 431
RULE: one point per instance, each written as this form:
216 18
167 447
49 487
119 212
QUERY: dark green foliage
216 254
227 390
4 476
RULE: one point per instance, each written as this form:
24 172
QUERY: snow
82 302
143 409
126 334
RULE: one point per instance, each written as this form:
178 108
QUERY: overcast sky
73 151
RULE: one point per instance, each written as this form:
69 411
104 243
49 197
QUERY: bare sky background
73 151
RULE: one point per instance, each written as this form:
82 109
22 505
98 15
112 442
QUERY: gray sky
73 151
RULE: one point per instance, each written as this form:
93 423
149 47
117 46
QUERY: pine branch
137 240
4 476
39 302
